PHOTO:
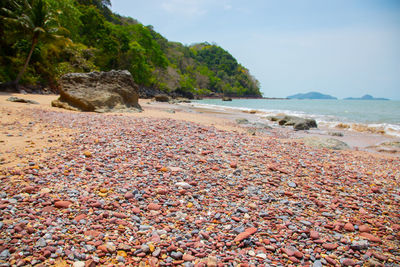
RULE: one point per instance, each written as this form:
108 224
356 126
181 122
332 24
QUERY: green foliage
103 41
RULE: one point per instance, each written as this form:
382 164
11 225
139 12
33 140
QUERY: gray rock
329 143
5 254
307 223
145 248
156 252
21 100
183 185
317 263
98 91
41 243
242 121
242 210
177 255
297 122
359 245
292 184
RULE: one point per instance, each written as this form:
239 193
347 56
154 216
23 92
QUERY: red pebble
153 206
349 227
364 228
348 262
329 246
248 232
62 204
314 234
371 238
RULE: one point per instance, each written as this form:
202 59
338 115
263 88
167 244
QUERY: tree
33 20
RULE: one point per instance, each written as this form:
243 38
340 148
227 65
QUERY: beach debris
98 91
21 100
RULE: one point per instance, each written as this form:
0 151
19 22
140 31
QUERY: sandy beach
181 185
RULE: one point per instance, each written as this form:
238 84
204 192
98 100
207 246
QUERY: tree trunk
34 42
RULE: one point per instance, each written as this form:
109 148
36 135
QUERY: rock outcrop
98 92
297 122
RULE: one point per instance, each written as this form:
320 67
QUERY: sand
13 116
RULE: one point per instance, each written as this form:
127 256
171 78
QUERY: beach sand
178 184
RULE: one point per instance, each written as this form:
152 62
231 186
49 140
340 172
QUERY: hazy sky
338 47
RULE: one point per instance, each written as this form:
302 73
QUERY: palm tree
34 20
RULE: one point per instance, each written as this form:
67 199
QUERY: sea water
369 113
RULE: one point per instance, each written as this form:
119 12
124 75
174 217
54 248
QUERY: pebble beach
154 189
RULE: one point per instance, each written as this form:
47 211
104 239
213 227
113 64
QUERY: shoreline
226 118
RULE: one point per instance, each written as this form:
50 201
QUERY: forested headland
41 40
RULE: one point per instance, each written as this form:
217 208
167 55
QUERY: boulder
297 122
225 98
161 98
98 91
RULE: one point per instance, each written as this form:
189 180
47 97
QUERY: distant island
365 97
311 95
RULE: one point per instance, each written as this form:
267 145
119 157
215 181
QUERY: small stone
349 227
307 223
248 232
270 248
153 206
177 255
359 245
145 248
292 184
242 210
251 253
212 261
347 262
156 252
41 243
129 195
87 154
317 263
183 185
371 238
79 264
5 254
364 228
261 256
188 257
329 246
314 234
62 204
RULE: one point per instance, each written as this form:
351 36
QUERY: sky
345 48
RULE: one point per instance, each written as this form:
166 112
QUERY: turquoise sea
372 113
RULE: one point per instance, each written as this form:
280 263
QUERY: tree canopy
102 40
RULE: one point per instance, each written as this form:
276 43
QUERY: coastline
226 118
